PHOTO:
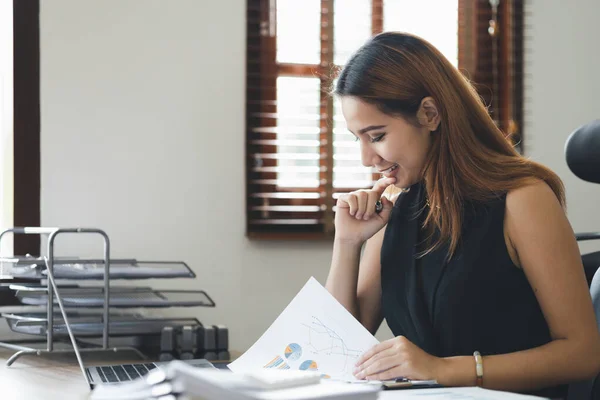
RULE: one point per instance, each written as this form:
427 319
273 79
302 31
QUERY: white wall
561 89
143 136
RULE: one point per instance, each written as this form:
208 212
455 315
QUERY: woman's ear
428 114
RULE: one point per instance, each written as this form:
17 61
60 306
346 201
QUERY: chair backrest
595 292
582 151
590 389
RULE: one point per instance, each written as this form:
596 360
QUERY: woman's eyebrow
370 128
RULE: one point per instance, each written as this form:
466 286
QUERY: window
300 156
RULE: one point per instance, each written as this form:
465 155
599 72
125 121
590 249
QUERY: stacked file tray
37 295
34 268
91 325
77 307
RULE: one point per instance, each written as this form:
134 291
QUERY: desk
55 377
58 377
33 377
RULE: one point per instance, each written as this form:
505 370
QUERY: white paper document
463 393
314 332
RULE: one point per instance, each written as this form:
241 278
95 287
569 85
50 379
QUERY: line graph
323 340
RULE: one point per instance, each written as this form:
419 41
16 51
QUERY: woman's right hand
355 218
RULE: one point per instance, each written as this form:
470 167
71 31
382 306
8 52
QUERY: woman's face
390 144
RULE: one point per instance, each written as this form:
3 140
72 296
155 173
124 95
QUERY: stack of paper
186 382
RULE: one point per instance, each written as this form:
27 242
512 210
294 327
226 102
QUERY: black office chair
590 389
582 151
583 157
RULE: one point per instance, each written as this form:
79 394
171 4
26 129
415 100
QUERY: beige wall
561 88
143 136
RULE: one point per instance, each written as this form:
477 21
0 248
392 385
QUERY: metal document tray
91 325
73 268
119 297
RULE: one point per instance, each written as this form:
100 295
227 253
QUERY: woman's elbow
592 356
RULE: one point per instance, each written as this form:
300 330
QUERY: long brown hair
470 159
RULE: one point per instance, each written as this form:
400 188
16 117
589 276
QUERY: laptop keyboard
122 373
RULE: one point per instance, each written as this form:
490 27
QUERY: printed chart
314 333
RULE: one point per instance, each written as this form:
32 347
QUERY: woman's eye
377 138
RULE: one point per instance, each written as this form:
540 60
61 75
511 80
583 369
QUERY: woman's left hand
396 358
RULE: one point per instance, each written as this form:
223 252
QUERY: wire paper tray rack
42 289
34 268
119 297
88 326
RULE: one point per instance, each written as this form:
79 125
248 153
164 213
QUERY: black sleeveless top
478 300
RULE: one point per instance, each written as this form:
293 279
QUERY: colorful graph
308 365
293 351
322 340
277 363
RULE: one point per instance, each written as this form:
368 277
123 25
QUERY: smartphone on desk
403 383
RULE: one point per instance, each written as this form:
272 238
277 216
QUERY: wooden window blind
490 52
299 155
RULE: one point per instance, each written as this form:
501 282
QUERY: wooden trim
495 64
297 70
26 123
518 21
282 236
326 111
505 65
467 37
376 28
376 16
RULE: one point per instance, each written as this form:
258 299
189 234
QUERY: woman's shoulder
520 200
533 193
532 209
525 194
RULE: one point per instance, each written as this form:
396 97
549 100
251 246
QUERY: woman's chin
404 183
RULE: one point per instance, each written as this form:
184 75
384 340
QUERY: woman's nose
369 158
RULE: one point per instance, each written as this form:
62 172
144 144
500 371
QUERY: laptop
115 374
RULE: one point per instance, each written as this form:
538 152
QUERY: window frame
26 133
474 55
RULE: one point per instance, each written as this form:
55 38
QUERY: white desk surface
58 377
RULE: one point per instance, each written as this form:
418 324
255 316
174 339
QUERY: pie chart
309 365
293 351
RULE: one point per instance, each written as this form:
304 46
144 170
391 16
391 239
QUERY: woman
472 253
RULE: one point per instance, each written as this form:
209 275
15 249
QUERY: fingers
389 374
348 201
362 203
387 208
371 205
382 184
378 348
362 197
381 357
380 362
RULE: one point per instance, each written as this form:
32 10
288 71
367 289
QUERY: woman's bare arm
548 253
355 281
